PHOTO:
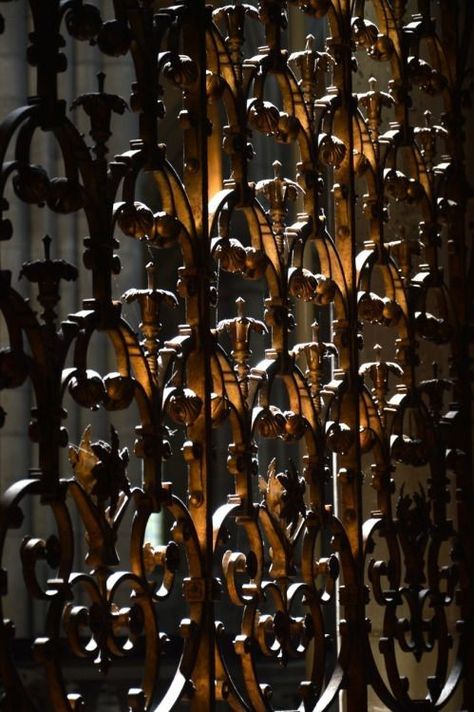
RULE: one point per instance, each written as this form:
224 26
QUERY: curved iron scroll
392 437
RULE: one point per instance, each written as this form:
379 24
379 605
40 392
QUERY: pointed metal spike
150 270
240 304
47 246
101 81
277 169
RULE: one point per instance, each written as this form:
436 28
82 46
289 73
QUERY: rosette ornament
230 254
302 284
181 71
83 22
182 405
377 310
136 220
331 150
364 33
31 184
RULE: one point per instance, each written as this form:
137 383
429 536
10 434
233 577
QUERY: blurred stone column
31 224
15 458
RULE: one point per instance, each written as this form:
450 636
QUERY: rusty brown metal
368 511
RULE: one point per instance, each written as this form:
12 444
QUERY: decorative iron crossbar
369 232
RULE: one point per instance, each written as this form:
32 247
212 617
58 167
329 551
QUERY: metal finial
150 270
47 246
240 303
101 81
277 169
373 84
315 330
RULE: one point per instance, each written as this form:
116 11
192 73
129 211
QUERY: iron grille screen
247 484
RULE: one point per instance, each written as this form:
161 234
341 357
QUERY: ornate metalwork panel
283 529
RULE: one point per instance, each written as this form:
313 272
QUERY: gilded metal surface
275 551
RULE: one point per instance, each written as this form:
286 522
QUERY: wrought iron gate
345 492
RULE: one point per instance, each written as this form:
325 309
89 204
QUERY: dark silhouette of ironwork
276 551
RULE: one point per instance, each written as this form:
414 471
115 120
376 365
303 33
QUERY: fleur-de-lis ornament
315 352
47 274
379 372
434 389
278 191
150 301
426 136
404 249
99 107
374 101
311 64
239 329
234 17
